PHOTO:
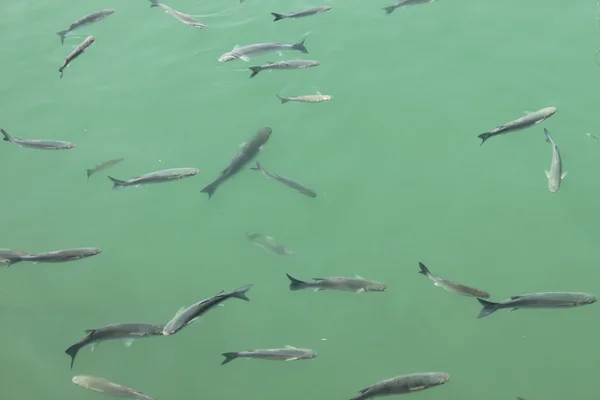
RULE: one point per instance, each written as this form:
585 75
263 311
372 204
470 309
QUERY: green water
394 158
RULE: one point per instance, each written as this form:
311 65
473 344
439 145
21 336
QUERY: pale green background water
399 173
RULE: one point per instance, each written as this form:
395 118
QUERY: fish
538 300
127 331
357 284
452 287
595 138
403 384
268 243
186 316
38 144
301 14
556 174
401 3
247 152
88 19
102 166
288 353
286 181
105 386
311 98
165 175
244 53
63 255
182 17
531 118
286 64
76 53
10 257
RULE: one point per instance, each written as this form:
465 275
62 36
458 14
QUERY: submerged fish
182 17
186 316
288 353
10 257
453 287
300 14
595 138
166 175
63 255
357 284
286 64
245 155
127 331
102 166
76 53
531 118
556 174
268 243
311 98
107 387
38 144
401 3
286 181
244 53
88 19
538 300
403 384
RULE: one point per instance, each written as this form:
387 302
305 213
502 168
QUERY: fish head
264 133
109 11
553 186
548 111
93 251
377 287
78 380
586 299
441 378
227 57
327 8
90 39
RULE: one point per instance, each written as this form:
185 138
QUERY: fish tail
258 167
7 137
62 35
300 46
72 352
61 69
296 284
255 71
283 99
484 137
240 293
153 3
229 357
389 9
89 173
424 270
211 189
277 17
548 137
488 308
117 184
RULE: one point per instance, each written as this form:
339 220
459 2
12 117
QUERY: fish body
286 181
107 387
538 300
63 255
402 3
127 331
268 243
288 353
182 17
38 144
453 287
524 122
301 14
186 316
245 155
76 53
244 52
403 384
10 257
357 284
311 98
88 19
556 174
102 166
286 64
165 175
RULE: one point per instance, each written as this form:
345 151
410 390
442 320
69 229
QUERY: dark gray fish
538 300
286 64
63 255
531 118
188 315
102 166
88 19
76 53
402 3
556 174
288 353
127 331
286 181
245 155
300 14
403 384
182 17
268 243
38 144
357 284
165 175
12 256
107 387
244 53
311 98
452 287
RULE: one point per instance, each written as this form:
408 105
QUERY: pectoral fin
244 58
291 359
128 342
417 388
547 174
563 175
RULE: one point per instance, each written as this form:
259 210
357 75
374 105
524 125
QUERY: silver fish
127 331
88 19
12 256
244 53
357 284
401 3
286 181
107 387
311 98
288 353
268 243
182 17
79 50
531 118
165 175
595 138
186 316
452 287
286 64
38 144
63 255
556 174
403 384
300 14
102 166
538 300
